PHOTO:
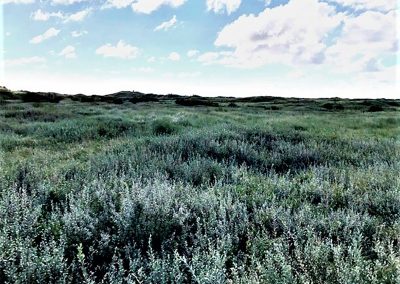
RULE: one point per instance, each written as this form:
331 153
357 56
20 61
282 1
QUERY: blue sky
305 48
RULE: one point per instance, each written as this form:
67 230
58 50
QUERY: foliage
94 192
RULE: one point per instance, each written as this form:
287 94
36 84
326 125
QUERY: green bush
164 127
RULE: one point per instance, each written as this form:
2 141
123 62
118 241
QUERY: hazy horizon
295 48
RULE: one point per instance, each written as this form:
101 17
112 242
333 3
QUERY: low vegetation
136 188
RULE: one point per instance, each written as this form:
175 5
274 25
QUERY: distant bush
393 103
260 99
193 101
40 97
143 99
333 106
6 94
85 99
275 108
375 108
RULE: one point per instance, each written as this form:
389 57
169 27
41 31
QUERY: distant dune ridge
328 104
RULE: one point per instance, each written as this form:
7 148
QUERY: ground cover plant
131 188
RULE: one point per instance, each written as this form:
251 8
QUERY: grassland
146 189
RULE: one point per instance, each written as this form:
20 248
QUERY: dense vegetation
131 188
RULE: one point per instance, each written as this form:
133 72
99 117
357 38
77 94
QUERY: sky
292 48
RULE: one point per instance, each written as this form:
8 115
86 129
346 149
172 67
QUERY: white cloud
174 56
149 6
17 1
52 32
68 52
117 4
8 33
151 59
208 57
121 50
386 76
221 57
219 6
24 61
364 39
40 15
379 5
166 25
280 34
143 69
192 53
78 33
267 2
78 16
341 43
66 2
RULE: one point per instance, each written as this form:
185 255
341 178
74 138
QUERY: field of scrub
157 192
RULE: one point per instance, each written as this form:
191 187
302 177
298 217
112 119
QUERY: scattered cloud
17 1
149 6
344 39
174 56
220 6
142 6
24 61
377 5
192 53
78 33
165 26
267 2
117 4
78 16
143 69
120 50
386 75
52 32
210 58
40 15
363 40
68 52
66 2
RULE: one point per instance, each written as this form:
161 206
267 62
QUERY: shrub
41 97
164 127
193 101
375 108
333 106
